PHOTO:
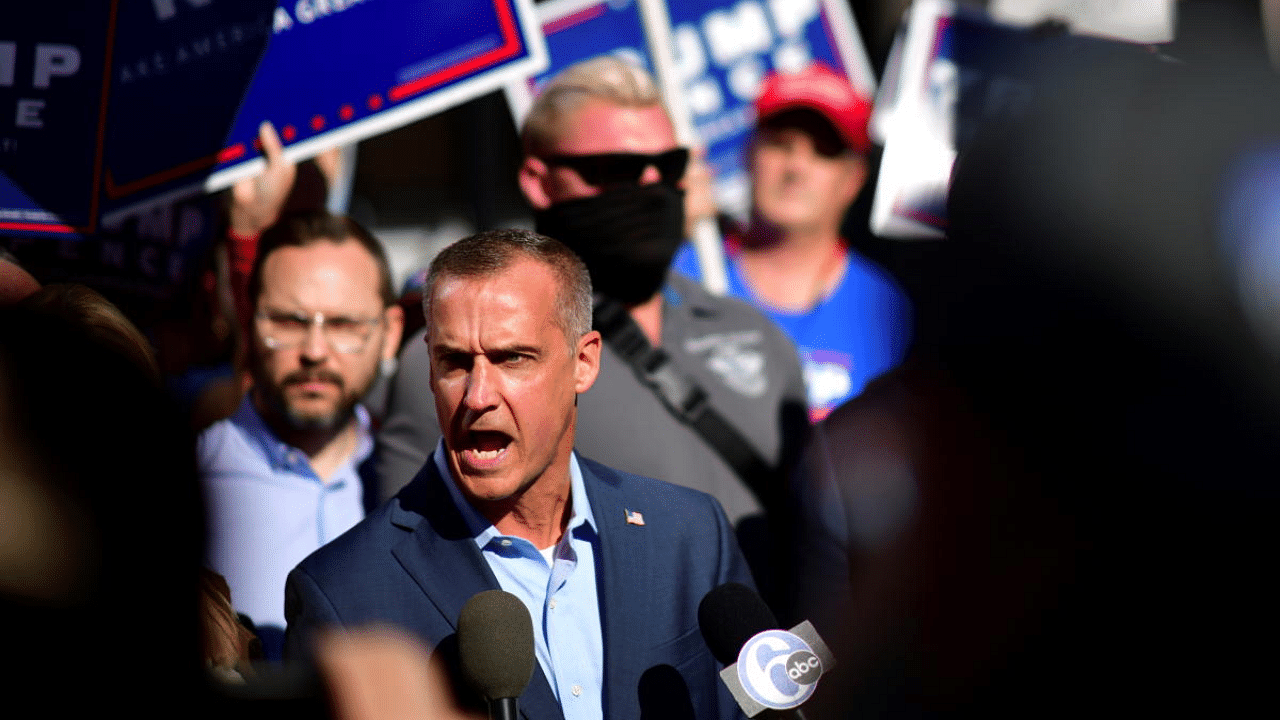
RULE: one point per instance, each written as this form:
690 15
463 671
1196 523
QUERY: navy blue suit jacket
413 563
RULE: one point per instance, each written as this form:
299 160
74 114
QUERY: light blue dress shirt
268 510
559 592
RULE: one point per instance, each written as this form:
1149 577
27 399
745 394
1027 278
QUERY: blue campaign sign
177 81
959 67
51 107
187 83
724 49
578 30
336 71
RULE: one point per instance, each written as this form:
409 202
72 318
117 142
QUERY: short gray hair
607 78
489 253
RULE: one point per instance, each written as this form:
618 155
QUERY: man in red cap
808 164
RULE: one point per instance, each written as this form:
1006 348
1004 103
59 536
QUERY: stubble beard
281 408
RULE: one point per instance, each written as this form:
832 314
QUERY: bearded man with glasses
694 389
288 471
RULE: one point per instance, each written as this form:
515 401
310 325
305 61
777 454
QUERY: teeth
486 454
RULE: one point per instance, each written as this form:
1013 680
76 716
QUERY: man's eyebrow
277 309
308 314
439 349
520 349
444 349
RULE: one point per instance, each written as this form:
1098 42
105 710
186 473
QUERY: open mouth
483 447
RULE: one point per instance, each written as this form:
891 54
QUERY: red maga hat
821 89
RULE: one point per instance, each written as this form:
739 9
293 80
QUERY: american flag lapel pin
634 517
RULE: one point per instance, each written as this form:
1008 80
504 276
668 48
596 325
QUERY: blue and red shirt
850 337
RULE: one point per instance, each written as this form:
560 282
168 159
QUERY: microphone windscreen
729 616
495 644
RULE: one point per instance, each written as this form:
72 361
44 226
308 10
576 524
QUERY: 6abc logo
778 669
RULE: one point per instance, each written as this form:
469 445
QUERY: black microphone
495 649
767 668
729 616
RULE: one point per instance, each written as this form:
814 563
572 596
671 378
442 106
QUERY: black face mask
626 235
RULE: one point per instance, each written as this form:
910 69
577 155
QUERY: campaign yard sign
52 109
724 49
577 30
158 99
954 68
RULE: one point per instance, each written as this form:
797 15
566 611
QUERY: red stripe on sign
225 155
510 46
232 153
42 228
117 191
98 161
921 216
577 18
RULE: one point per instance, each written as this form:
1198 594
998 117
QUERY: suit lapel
439 553
624 591
442 558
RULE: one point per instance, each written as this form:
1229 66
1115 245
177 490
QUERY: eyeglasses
283 331
621 168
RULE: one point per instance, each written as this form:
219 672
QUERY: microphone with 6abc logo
766 668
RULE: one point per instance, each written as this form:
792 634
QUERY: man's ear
533 179
588 361
394 318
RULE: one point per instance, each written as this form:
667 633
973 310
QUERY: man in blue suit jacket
611 565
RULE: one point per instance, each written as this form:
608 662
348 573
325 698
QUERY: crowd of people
995 478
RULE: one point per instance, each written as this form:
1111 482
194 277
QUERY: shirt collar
482 530
281 455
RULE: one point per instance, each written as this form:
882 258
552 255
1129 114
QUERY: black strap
683 398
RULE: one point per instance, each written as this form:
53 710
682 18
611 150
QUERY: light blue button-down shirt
268 510
560 594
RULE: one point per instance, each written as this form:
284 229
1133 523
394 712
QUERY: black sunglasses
620 168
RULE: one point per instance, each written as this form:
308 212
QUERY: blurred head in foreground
103 520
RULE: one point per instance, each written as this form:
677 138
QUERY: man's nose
315 346
479 394
650 175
